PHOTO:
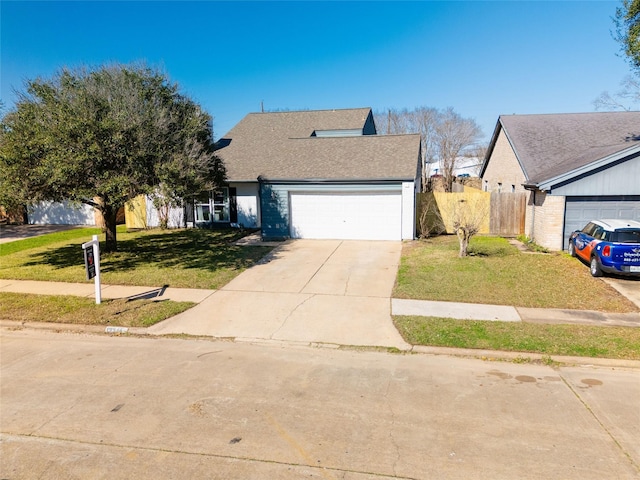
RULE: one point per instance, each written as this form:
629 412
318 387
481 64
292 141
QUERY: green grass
51 238
571 340
79 310
498 273
188 258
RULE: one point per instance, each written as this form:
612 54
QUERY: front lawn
572 340
188 258
498 273
122 312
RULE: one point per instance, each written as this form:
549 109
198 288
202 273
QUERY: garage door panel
579 211
361 216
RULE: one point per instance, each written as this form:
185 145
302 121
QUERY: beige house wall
503 168
544 222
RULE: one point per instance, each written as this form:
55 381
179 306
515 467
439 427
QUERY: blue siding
274 205
369 126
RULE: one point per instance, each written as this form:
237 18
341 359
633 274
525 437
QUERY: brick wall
503 168
544 222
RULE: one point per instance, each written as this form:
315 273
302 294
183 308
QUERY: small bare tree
468 216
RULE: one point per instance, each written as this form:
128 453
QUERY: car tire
595 269
572 249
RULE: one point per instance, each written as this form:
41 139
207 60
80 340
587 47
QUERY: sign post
92 264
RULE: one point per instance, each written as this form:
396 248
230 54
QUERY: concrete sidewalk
462 311
473 311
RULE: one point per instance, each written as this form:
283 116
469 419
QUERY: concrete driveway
325 291
10 233
627 286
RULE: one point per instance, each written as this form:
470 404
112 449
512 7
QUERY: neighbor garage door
581 210
358 216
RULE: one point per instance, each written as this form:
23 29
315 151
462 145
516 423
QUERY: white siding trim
408 211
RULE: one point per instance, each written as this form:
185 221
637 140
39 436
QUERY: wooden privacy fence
503 213
507 214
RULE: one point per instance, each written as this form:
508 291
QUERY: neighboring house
573 167
465 167
315 174
62 213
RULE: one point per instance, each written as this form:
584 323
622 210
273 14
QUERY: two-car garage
338 211
352 216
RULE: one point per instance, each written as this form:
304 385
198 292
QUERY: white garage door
361 216
581 210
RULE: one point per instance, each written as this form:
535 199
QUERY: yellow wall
135 212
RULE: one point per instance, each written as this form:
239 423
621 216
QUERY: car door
584 241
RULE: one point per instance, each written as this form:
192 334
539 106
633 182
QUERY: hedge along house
316 174
574 168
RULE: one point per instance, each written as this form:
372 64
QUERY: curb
486 355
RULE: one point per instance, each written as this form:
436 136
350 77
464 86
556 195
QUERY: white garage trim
349 216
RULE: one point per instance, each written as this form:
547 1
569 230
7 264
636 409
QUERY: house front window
202 207
221 205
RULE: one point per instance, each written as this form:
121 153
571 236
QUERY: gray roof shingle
280 146
549 145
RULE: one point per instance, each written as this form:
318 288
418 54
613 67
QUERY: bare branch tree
623 99
453 136
445 136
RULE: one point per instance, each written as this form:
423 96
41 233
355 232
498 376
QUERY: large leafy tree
627 21
103 136
627 34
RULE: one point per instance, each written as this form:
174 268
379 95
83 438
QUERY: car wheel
596 271
572 249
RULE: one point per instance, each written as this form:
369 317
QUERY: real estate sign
92 264
89 262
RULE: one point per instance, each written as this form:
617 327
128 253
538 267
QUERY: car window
627 236
598 233
588 229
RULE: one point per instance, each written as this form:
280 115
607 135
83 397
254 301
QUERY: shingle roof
279 146
549 145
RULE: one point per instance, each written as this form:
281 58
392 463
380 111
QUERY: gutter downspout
533 217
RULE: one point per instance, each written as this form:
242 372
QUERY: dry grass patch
498 273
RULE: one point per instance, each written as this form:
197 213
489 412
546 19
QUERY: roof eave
585 169
263 179
492 144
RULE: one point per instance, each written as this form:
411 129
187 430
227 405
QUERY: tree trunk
463 238
109 213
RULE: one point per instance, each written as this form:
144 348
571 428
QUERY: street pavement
98 406
11 233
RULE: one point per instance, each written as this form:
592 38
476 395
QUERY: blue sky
483 58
